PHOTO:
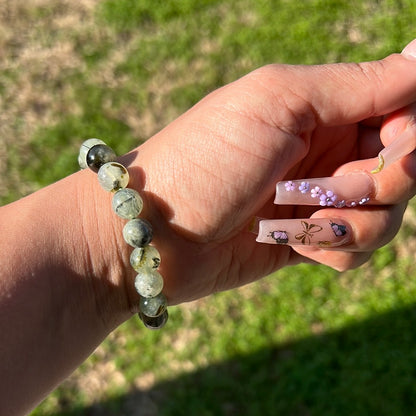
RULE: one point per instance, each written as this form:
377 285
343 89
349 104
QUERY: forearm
66 281
55 304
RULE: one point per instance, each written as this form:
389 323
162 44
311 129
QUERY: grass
305 341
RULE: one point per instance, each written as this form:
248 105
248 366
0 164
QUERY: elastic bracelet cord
127 204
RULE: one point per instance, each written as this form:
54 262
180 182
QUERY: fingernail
404 144
410 50
314 232
338 191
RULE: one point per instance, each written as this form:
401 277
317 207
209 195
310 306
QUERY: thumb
367 89
341 93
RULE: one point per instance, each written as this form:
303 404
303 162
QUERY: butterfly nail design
314 232
309 230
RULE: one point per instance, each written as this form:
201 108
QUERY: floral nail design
304 187
290 186
325 197
316 192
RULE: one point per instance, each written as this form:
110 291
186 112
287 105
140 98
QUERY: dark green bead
99 155
84 149
154 323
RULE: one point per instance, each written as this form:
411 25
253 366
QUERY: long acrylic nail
315 232
338 191
400 147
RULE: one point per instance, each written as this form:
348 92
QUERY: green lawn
305 341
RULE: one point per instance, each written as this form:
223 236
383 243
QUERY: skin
65 280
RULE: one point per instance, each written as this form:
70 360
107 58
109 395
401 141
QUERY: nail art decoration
338 191
400 147
308 232
338 229
315 232
290 186
280 237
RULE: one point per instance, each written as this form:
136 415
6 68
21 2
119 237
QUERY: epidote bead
148 283
113 176
99 155
84 149
145 257
138 233
154 322
127 203
153 307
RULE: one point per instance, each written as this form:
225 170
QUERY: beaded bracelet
137 232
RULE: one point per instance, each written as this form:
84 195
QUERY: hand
203 180
212 170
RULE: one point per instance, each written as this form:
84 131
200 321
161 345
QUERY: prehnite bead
153 307
145 257
138 233
148 283
84 149
113 176
99 155
154 322
127 203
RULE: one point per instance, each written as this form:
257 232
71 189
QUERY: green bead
138 233
127 203
153 307
99 155
84 149
145 257
154 322
113 176
148 283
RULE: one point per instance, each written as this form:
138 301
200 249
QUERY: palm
221 187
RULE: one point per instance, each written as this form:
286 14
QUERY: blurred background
304 341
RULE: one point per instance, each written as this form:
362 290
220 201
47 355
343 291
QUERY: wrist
99 254
76 237
126 205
